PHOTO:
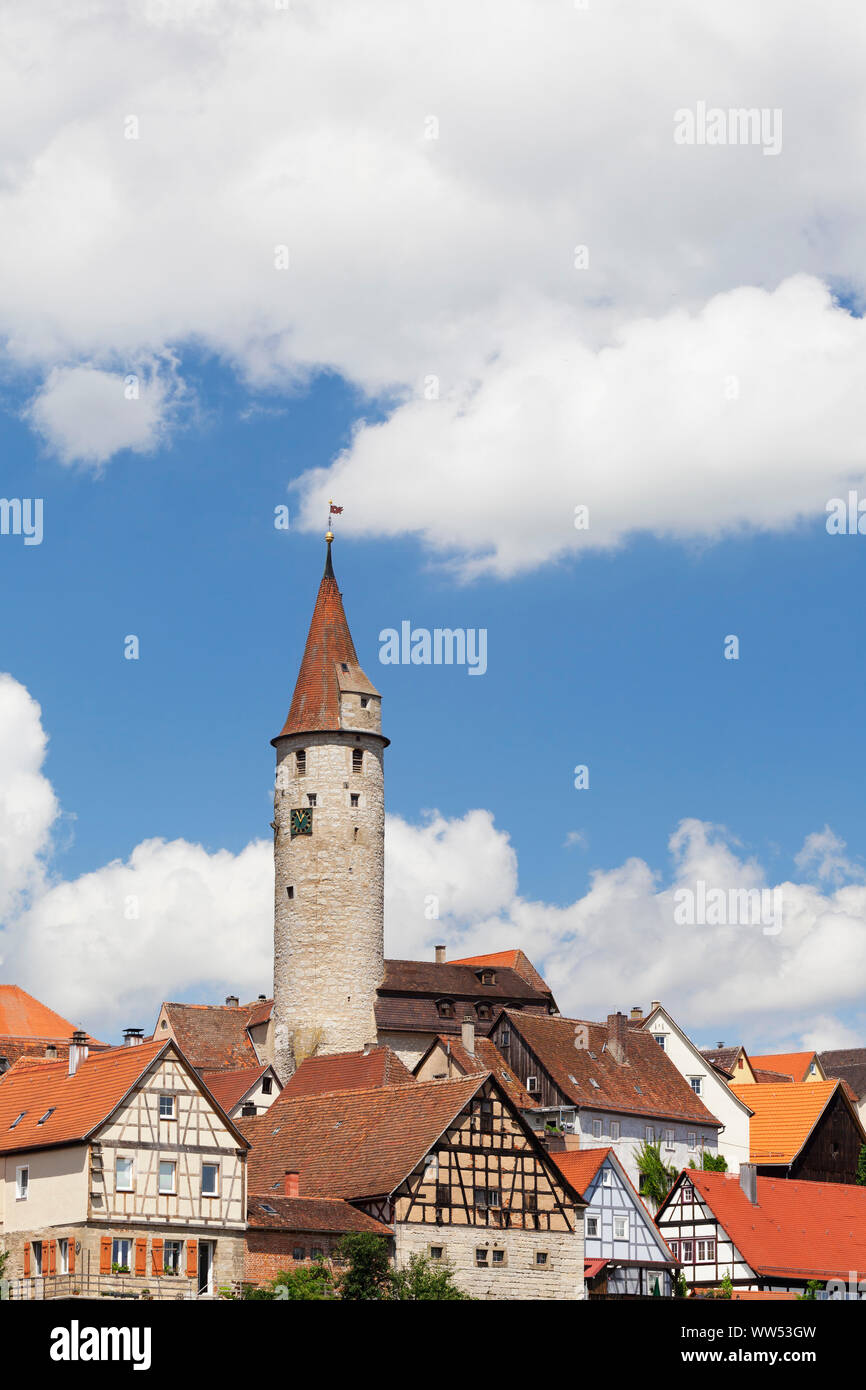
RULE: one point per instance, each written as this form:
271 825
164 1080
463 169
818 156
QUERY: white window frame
126 1187
116 1257
37 1248
670 1137
216 1188
597 1129
615 1129
607 1176
693 1141
592 1234
688 1249
697 1084
172 1255
649 1134
169 1114
620 1218
167 1191
63 1255
22 1182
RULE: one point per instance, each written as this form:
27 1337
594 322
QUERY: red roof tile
316 701
807 1230
785 1115
580 1165
347 1071
229 1087
213 1037
487 1059
319 1215
22 1016
513 960
794 1064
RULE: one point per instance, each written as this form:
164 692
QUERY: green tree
313 1281
681 1288
711 1163
810 1292
368 1274
726 1289
657 1178
860 1176
428 1279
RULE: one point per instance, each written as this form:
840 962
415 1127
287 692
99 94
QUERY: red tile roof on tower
316 701
513 960
22 1016
320 1215
351 1144
803 1230
647 1084
347 1071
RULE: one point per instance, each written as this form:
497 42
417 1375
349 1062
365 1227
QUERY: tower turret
329 837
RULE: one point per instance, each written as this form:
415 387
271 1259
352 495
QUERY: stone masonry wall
520 1276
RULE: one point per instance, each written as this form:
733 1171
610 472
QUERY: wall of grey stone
520 1276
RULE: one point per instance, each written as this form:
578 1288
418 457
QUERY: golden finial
329 536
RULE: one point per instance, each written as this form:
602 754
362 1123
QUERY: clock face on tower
301 821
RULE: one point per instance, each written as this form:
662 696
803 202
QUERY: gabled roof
347 1071
793 1064
580 1166
849 1063
316 701
771 1078
805 1230
80 1103
316 1215
648 1083
785 1115
511 960
22 1016
703 1056
229 1087
722 1058
408 996
487 1058
352 1144
214 1037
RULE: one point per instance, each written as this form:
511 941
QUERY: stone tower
329 838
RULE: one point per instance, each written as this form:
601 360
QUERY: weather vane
332 511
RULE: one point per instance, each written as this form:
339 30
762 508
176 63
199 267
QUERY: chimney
440 955
78 1050
654 1005
749 1182
248 1108
292 1185
232 1001
467 1035
369 1047
262 998
133 1037
720 1043
51 1052
636 1014
617 1037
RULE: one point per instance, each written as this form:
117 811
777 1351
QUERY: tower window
290 892
355 798
364 702
344 665
357 759
311 798
301 762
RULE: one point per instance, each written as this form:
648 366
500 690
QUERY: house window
123 1175
365 700
592 1226
167 1169
649 1134
692 1138
483 1010
688 1252
210 1179
541 1257
357 760
481 1257
614 1129
431 1168
36 1247
669 1138
499 1257
301 762
120 1252
706 1251
596 1129
311 798
172 1255
317 1253
505 1038
606 1176
446 1008
436 1252
620 1228
530 1201
166 1107
22 1184
443 1194
355 798
299 1253
532 1085
290 891
267 1085
688 1192
674 1248
487 977
487 1197
486 1117
63 1256
660 1039
696 1083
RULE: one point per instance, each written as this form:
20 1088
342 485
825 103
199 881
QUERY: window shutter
192 1259
141 1256
52 1257
156 1259
105 1255
71 1249
27 1261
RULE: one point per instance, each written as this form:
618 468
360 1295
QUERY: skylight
48 1112
18 1120
269 1209
593 1082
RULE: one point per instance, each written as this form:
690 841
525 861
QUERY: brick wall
270 1252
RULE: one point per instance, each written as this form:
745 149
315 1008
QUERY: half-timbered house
450 1167
763 1233
118 1166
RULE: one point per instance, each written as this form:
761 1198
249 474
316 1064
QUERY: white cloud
28 807
86 415
825 851
259 127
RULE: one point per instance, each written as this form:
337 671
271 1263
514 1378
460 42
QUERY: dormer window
301 762
483 1010
487 977
446 1008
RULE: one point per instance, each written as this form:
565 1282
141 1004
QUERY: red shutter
192 1259
141 1256
27 1261
105 1255
52 1257
70 1246
156 1258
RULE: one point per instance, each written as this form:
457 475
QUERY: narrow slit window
357 760
355 798
311 798
301 762
290 892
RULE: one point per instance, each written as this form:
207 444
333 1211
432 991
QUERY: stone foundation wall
519 1276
